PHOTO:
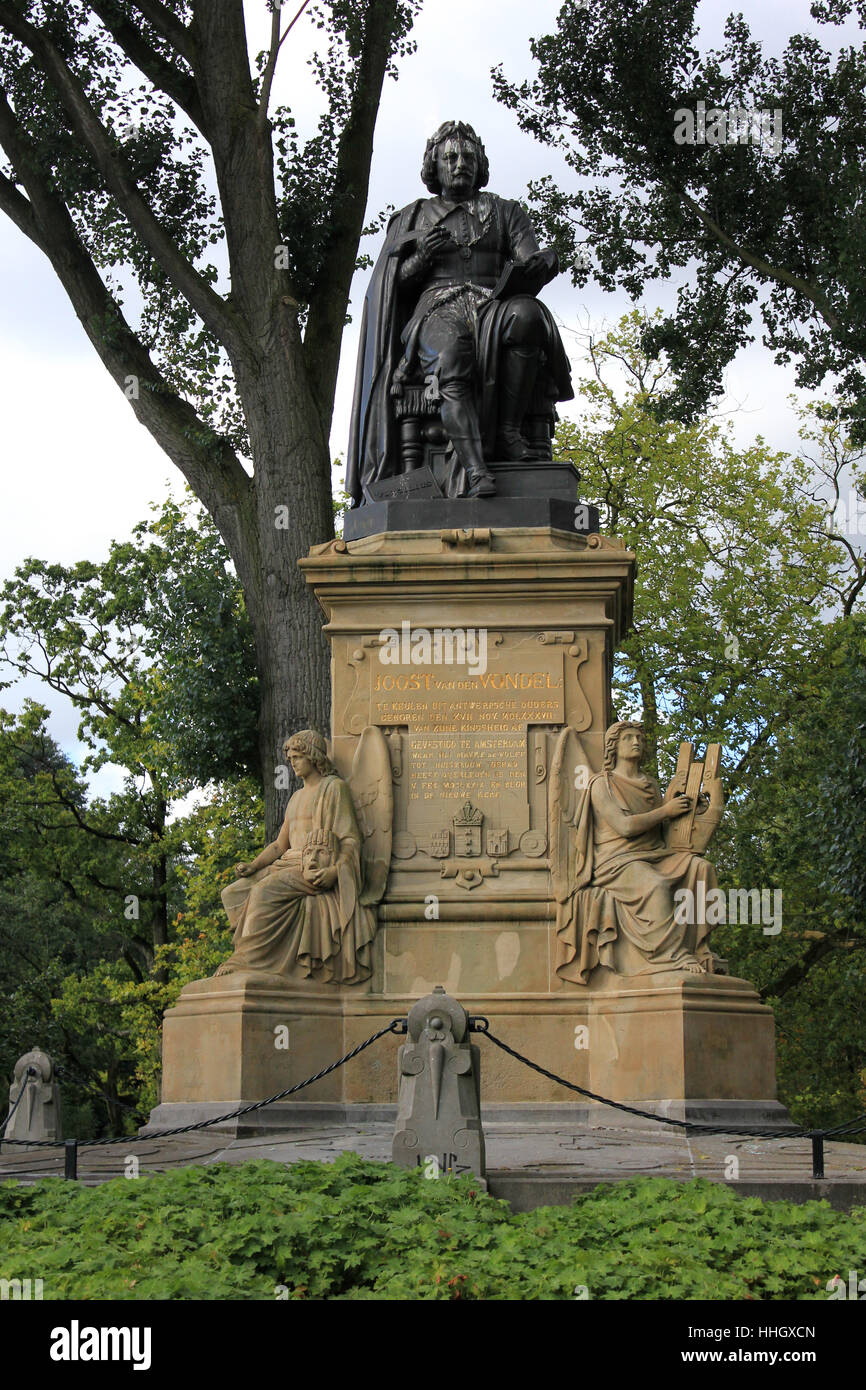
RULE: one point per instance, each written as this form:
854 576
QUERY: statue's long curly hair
313 746
457 130
611 741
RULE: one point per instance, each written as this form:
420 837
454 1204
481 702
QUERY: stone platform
528 1165
710 1038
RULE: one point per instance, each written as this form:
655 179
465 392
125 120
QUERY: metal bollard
70 1158
817 1155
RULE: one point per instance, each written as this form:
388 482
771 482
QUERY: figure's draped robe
284 926
622 912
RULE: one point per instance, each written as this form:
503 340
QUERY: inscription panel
467 745
446 770
481 767
512 692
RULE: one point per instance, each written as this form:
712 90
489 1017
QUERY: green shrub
359 1229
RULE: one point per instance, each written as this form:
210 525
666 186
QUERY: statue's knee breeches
524 324
453 363
446 346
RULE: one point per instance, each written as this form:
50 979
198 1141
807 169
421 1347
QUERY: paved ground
549 1163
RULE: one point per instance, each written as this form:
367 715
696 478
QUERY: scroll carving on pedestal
617 860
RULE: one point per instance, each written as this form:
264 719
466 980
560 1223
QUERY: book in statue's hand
527 277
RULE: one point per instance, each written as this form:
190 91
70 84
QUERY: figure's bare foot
692 967
226 969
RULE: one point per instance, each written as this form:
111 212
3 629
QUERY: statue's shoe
481 485
511 445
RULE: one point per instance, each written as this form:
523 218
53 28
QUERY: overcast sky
80 471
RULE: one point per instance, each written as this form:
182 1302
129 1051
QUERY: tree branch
206 460
167 25
244 165
163 74
770 272
329 301
68 804
205 301
18 209
796 973
276 44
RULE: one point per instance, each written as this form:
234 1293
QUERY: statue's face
301 764
631 744
457 167
316 857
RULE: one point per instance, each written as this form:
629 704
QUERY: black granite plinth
537 493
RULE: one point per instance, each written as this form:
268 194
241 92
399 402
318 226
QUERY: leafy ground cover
356 1229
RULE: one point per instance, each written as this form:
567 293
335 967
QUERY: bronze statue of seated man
440 309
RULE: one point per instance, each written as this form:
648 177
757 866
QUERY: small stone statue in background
439 1102
34 1096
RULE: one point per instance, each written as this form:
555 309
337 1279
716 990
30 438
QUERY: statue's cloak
374 451
372 438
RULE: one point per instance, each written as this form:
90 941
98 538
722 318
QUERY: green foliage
153 647
734 565
57 915
801 827
221 832
98 894
357 1229
777 226
78 977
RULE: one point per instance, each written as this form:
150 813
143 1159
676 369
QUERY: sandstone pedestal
688 1048
469 903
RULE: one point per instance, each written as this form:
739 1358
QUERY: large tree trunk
291 510
286 386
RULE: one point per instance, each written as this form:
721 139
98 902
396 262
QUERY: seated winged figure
617 863
305 908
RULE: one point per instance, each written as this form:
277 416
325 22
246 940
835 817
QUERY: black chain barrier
477 1024
71 1146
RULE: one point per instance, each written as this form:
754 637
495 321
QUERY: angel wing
569 776
373 795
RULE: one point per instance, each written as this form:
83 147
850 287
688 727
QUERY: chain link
482 1025
395 1026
